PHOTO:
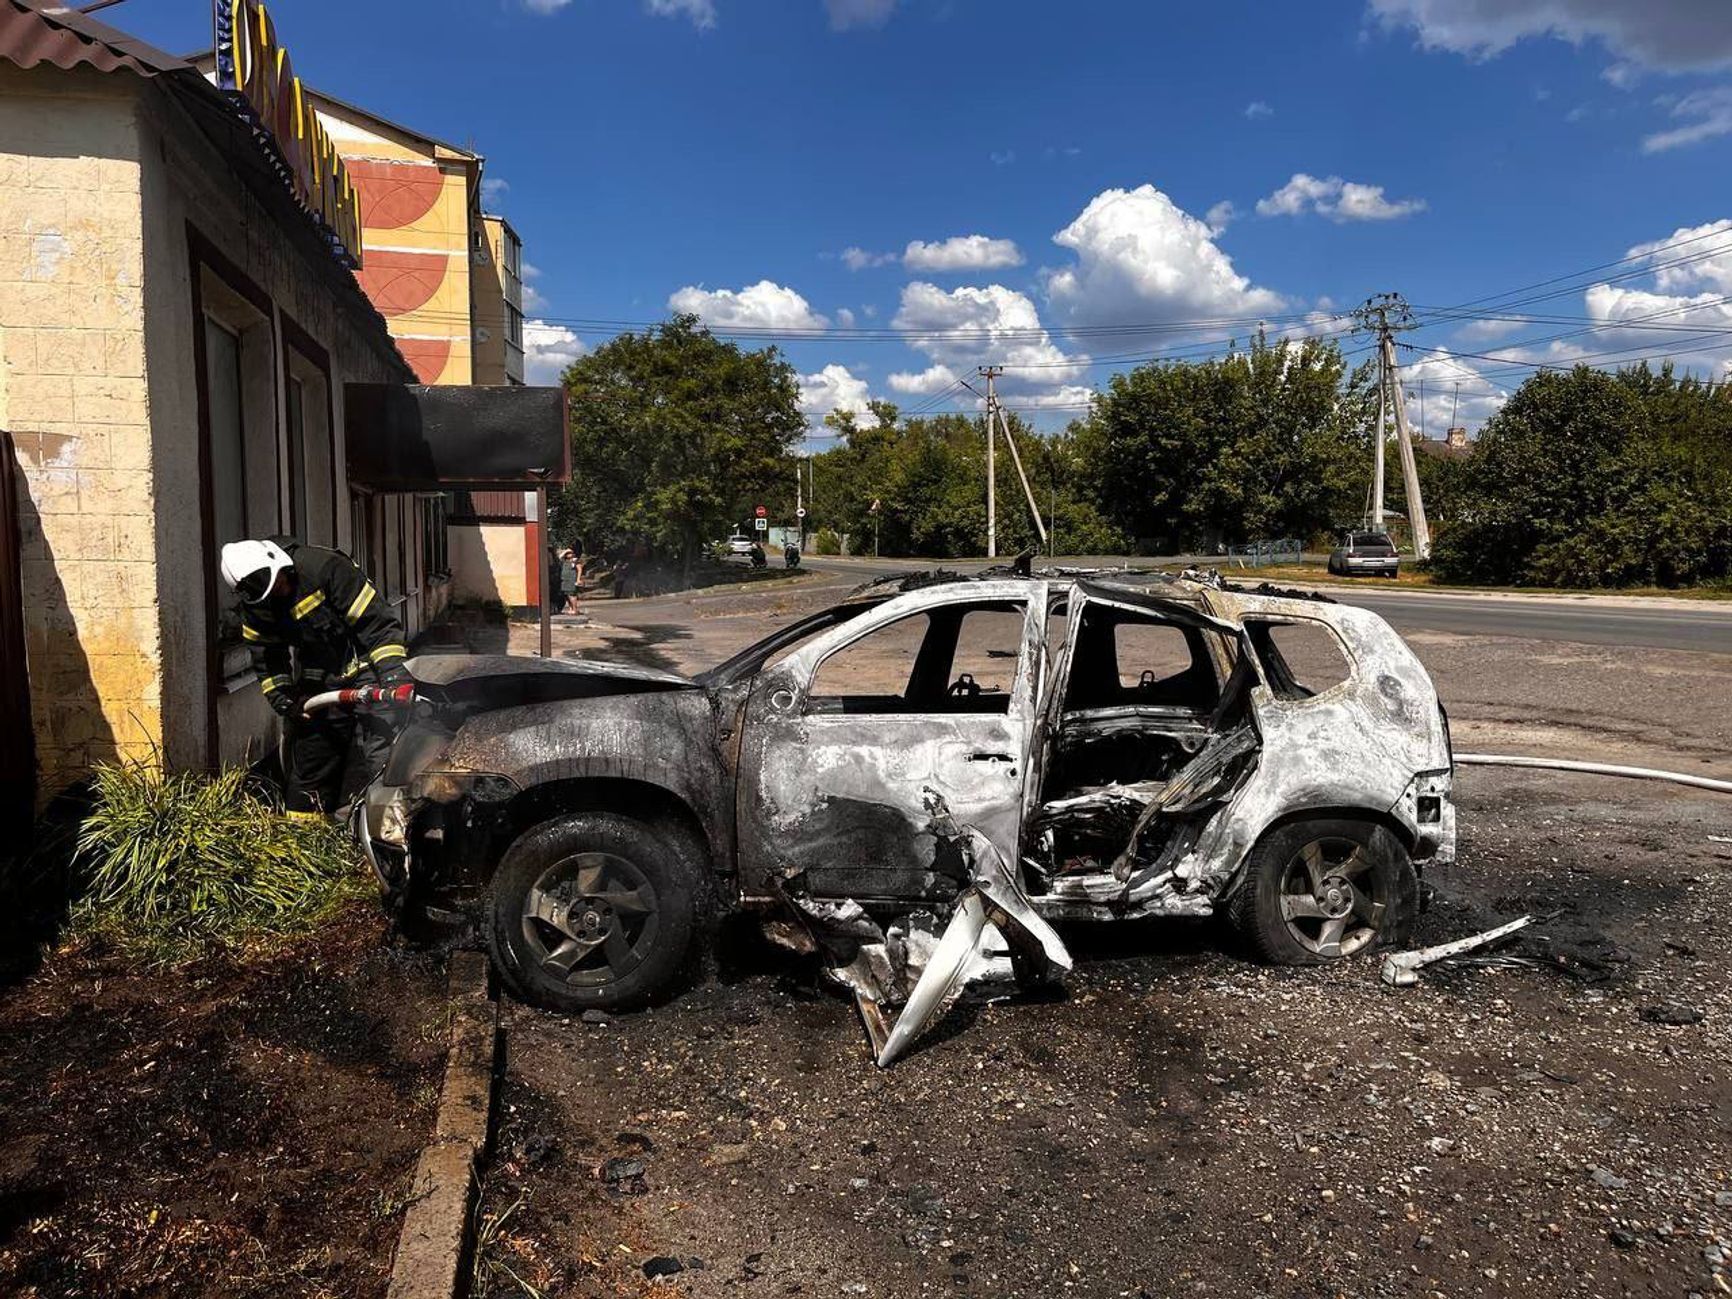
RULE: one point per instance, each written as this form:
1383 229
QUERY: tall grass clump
174 862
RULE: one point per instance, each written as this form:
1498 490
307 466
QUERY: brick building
181 337
447 277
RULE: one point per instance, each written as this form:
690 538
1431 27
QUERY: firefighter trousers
318 756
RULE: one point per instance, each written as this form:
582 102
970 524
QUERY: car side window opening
1127 658
1300 657
958 658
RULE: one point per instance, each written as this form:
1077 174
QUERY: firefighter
314 622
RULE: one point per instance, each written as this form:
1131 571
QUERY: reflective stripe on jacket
334 625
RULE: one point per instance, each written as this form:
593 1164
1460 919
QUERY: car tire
608 898
1366 896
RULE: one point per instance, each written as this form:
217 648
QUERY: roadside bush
171 862
1592 479
827 542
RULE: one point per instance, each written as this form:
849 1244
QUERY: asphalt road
1591 620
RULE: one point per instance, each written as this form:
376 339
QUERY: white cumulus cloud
961 253
1337 199
835 387
547 350
764 305
929 382
1257 108
975 326
1140 258
1668 34
1220 216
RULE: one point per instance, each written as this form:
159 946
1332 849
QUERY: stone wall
72 391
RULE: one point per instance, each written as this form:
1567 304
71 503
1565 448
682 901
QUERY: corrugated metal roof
34 32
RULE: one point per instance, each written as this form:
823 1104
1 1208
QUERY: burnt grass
1181 1120
220 1128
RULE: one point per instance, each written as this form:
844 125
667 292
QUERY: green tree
1593 479
1268 442
675 435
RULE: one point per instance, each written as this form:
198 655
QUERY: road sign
800 513
761 512
763 524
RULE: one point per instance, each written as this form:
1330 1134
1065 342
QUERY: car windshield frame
750 661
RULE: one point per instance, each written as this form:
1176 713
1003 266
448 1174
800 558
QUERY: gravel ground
1183 1120
1179 1119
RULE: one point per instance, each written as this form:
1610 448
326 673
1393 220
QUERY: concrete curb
434 1244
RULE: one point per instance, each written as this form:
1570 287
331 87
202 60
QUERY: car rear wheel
593 911
1317 891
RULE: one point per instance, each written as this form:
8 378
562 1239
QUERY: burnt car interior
1143 695
1138 697
957 658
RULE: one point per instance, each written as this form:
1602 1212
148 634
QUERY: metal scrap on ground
1400 969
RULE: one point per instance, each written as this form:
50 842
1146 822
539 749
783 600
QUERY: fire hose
1593 769
361 697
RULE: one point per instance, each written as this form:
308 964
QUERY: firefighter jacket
333 628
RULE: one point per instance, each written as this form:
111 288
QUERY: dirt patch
218 1129
1184 1120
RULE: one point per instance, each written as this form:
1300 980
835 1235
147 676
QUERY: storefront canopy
419 437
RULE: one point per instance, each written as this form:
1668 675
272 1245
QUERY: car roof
1138 585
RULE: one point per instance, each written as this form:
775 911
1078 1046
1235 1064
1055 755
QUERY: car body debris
1401 969
917 783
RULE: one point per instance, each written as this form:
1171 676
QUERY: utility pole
799 505
1376 317
1376 511
1022 476
989 373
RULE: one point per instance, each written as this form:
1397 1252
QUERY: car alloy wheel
590 919
1330 898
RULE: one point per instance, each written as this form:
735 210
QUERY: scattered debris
993 933
1401 969
624 1177
538 1150
662 1265
1672 1013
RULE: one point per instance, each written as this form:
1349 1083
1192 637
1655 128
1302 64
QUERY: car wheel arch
1339 812
655 805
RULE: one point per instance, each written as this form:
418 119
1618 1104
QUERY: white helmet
251 567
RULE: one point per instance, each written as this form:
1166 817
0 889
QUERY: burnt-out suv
1095 746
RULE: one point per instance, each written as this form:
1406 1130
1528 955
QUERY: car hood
500 680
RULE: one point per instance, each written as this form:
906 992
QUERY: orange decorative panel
398 281
395 194
426 356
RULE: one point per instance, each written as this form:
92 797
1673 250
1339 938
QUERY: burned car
1028 749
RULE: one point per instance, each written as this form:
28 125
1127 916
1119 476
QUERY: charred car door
864 749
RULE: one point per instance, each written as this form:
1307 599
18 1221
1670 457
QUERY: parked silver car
1365 554
1084 746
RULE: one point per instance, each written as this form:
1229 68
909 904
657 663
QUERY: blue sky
901 190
